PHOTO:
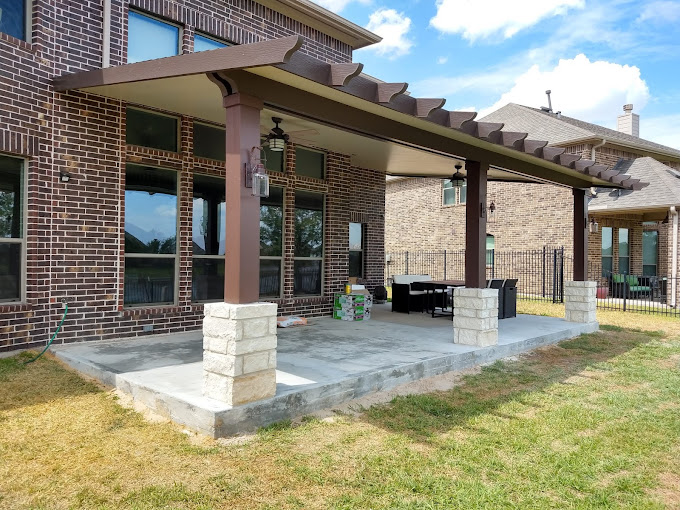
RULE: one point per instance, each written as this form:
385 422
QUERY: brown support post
580 235
475 220
242 258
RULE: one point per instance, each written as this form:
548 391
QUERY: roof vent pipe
547 93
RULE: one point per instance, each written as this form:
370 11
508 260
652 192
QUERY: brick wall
75 231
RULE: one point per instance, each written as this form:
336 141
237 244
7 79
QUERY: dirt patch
668 490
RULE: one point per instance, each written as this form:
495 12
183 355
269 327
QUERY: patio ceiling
341 110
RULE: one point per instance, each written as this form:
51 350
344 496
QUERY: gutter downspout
592 152
106 34
674 262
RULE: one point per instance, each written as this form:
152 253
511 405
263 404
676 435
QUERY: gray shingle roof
546 126
663 189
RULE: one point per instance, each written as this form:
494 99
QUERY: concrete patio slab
321 365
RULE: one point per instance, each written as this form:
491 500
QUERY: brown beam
475 222
242 257
580 235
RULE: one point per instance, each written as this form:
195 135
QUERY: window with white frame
451 195
150 38
624 251
208 238
206 43
607 251
150 235
15 18
12 240
308 263
271 243
356 250
650 252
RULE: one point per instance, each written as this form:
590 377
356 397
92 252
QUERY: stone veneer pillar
239 352
580 302
476 316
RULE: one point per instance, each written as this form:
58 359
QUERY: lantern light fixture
594 226
276 139
492 212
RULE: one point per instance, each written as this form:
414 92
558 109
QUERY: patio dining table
431 287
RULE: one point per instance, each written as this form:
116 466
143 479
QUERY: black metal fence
541 275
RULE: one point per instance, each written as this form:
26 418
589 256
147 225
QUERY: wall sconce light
457 179
593 226
256 174
276 139
64 176
492 212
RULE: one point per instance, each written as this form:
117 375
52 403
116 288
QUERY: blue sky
595 55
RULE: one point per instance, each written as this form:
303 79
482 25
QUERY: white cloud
442 60
590 91
393 27
475 20
662 129
660 12
338 5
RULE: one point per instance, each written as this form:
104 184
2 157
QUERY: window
449 193
12 243
150 235
272 160
607 251
150 129
310 163
208 244
490 250
308 262
624 252
209 142
650 252
271 243
356 250
150 38
15 19
205 43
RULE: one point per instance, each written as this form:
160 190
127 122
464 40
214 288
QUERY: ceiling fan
279 138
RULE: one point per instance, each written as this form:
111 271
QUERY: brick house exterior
530 216
73 233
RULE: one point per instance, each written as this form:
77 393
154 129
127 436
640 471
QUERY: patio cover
382 126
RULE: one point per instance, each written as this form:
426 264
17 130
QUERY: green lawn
593 422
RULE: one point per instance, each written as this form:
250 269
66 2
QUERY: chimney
629 122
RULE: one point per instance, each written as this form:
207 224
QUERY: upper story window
451 195
310 163
151 129
150 38
209 141
14 18
12 241
205 43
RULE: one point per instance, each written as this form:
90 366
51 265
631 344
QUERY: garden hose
53 336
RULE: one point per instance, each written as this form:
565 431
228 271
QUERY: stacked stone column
239 352
580 301
476 316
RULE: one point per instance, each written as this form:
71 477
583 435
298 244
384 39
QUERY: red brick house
114 191
635 225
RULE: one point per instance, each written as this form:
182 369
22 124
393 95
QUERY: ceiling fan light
277 144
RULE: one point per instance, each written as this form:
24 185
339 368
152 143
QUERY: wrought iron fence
541 275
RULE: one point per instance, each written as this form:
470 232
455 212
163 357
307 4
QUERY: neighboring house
530 216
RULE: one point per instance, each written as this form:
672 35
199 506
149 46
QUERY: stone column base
475 320
239 352
580 303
